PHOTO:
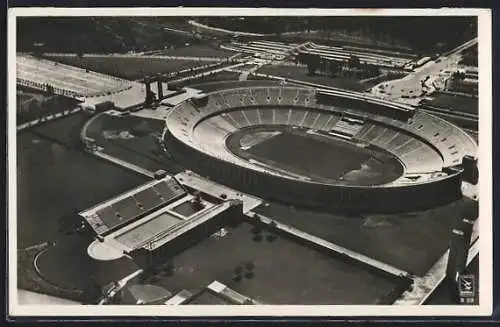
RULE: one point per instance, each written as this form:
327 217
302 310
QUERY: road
402 90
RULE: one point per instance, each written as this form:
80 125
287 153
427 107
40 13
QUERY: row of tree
334 68
95 35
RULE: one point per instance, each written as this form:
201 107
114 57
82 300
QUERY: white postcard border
485 179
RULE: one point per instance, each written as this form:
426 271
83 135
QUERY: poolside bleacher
129 207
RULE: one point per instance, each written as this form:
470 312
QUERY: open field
412 241
274 277
129 67
300 73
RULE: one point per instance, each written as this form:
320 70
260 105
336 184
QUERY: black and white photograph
249 161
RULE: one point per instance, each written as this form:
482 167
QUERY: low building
158 218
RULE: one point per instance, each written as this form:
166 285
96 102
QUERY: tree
313 63
373 70
334 68
353 61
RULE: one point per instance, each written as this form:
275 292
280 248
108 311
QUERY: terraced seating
340 54
239 108
237 118
266 115
232 100
296 117
448 139
252 116
417 156
326 121
384 137
370 133
422 159
397 140
347 128
280 116
213 130
406 147
66 80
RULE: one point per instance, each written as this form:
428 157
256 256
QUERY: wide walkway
401 90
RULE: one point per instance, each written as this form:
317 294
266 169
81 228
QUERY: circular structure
103 252
329 148
144 294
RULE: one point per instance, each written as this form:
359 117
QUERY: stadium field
322 158
300 73
129 67
308 276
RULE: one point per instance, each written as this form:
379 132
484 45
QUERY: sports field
324 159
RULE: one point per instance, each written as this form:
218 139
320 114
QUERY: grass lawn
300 73
276 276
141 150
412 242
198 51
454 102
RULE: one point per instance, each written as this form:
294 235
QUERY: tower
160 87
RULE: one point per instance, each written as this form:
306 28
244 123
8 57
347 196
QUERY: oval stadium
336 149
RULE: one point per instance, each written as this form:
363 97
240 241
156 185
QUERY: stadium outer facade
430 149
